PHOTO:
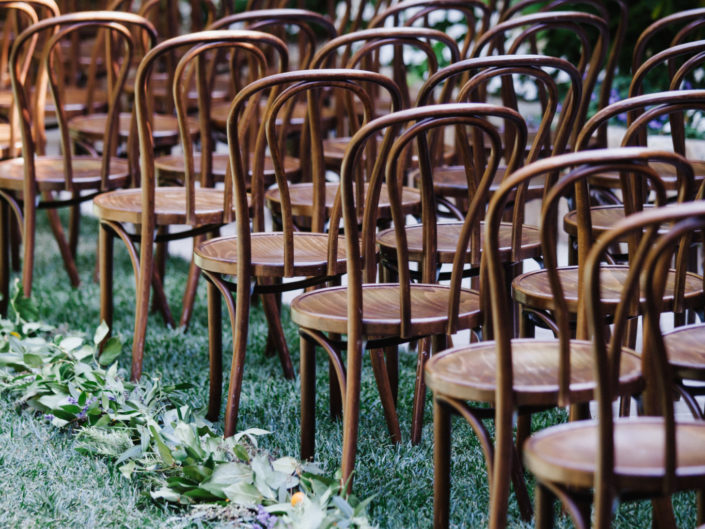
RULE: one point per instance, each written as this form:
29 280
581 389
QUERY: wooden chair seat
327 309
165 130
334 150
74 101
5 148
470 372
532 289
447 240
684 346
171 166
567 453
125 205
611 180
302 201
51 177
450 181
219 115
267 257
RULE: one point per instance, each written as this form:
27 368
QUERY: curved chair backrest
196 44
310 28
666 234
282 89
475 73
641 110
419 122
426 13
590 31
52 31
576 169
370 41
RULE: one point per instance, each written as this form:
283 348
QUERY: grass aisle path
45 483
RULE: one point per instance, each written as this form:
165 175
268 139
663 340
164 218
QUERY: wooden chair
35 180
380 315
650 456
153 207
525 375
672 104
260 258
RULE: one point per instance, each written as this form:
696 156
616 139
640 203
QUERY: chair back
281 90
666 235
472 15
50 33
361 242
590 31
196 46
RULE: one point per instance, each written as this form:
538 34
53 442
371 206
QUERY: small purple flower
49 417
72 400
614 96
263 519
112 398
655 124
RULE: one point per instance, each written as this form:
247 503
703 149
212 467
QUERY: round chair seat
567 454
533 289
334 150
50 173
5 147
684 348
220 110
125 205
327 310
470 372
171 167
301 196
602 218
91 128
219 255
447 240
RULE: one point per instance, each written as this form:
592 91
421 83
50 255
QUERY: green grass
44 482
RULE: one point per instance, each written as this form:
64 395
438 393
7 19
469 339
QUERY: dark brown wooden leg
271 311
700 506
189 294
215 352
74 229
15 243
64 247
423 353
520 490
335 403
543 499
144 280
105 263
351 409
441 465
308 398
239 312
391 357
663 514
4 257
385 394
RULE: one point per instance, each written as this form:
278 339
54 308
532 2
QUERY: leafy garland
149 431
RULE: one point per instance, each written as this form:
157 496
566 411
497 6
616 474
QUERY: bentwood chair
154 207
259 259
651 456
374 315
36 180
527 375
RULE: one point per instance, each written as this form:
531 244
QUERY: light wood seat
125 205
532 289
448 234
91 128
50 173
569 453
267 259
470 373
327 310
684 346
171 166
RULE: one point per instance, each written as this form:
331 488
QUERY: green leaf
70 343
111 351
163 449
166 494
243 494
127 469
343 505
32 360
101 332
24 307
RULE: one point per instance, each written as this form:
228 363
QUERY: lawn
45 482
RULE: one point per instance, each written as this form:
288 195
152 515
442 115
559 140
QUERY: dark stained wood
685 351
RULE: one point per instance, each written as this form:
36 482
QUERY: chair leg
105 263
307 362
273 315
385 394
351 409
503 463
74 228
335 401
423 354
700 506
543 499
64 247
5 244
144 281
189 292
215 352
663 514
239 312
15 243
28 232
441 465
